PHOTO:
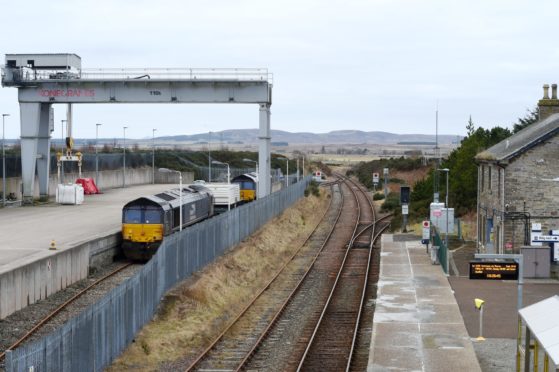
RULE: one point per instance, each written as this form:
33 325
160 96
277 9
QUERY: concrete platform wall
107 179
37 280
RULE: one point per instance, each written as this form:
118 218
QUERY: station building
518 183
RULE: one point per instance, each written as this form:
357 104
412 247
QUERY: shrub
378 196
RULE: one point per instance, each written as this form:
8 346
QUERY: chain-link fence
90 341
106 162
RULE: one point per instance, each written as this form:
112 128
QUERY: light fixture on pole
228 170
124 157
153 155
96 153
255 162
167 170
287 171
447 171
3 161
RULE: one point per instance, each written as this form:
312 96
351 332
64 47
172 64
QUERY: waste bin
435 254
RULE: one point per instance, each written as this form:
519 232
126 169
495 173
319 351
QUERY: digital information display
494 270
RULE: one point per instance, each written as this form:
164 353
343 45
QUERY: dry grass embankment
195 312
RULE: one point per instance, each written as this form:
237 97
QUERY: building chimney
548 106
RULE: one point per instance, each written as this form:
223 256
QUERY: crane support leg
265 186
35 148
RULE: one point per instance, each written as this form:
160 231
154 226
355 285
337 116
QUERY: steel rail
60 308
291 295
358 321
338 276
206 351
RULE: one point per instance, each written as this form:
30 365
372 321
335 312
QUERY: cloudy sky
365 65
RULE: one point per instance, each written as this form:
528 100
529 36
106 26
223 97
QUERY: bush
391 203
312 189
378 196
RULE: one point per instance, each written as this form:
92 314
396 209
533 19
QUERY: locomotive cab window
248 185
152 215
133 215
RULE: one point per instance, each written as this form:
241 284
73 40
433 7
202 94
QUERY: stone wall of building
529 187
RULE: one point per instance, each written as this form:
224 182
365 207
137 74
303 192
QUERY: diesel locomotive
248 184
147 220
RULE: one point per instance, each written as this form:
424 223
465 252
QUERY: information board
494 270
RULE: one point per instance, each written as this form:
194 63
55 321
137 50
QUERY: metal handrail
24 74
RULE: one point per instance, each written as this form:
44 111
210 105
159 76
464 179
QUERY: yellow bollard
52 245
479 305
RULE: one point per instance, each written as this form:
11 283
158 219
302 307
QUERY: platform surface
26 232
417 323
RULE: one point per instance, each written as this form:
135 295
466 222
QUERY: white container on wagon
69 194
225 194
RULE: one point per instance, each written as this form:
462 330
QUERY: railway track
234 346
61 307
244 339
331 344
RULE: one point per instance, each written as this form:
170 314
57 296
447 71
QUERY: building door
489 240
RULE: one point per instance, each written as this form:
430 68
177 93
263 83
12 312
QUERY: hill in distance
250 136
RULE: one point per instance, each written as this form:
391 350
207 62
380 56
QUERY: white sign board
426 230
438 217
536 231
376 178
546 238
405 209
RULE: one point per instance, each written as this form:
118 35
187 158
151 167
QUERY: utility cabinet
537 263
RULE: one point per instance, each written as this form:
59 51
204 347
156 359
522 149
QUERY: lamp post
124 157
255 162
96 153
287 171
167 170
62 147
3 161
62 133
297 169
153 155
209 157
228 170
447 171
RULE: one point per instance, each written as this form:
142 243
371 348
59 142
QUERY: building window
482 177
489 177
499 183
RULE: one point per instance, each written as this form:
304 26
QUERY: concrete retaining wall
107 179
39 279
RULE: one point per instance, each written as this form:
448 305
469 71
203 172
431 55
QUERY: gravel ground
496 354
19 323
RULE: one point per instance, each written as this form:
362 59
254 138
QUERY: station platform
29 271
417 324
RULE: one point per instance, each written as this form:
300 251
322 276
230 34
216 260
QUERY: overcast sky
365 65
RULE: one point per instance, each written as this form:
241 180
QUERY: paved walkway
417 322
26 232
